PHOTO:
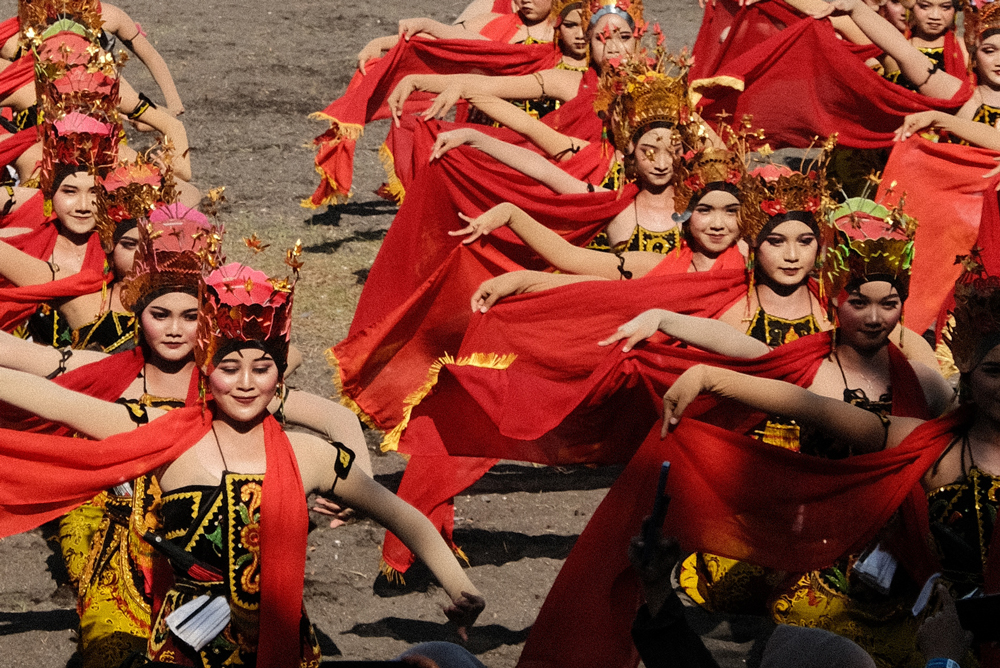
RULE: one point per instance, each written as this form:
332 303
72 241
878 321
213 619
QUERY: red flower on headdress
772 207
689 155
734 177
772 172
118 213
624 4
694 182
811 204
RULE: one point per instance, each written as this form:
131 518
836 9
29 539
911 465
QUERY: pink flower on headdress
772 172
128 174
65 47
811 204
734 177
689 155
772 207
237 284
694 182
624 4
595 6
178 211
77 123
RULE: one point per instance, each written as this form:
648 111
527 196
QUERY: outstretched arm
39 360
862 430
914 65
527 162
519 282
166 124
127 30
555 250
329 418
979 134
87 415
705 333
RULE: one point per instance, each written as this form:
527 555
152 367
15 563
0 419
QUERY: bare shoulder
939 393
114 18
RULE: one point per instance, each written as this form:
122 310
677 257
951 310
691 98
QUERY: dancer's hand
443 103
941 635
340 514
410 27
372 50
637 329
914 123
464 611
406 85
453 139
685 389
837 8
482 225
495 289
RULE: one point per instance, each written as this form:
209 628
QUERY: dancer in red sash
255 614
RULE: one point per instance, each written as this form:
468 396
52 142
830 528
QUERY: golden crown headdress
773 190
240 304
976 327
177 246
642 90
630 10
698 169
979 18
44 17
560 8
871 242
128 193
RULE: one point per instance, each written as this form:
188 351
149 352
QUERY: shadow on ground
481 639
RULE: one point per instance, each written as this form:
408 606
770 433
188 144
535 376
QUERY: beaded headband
698 170
560 8
629 10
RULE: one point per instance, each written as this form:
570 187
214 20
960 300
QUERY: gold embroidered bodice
641 240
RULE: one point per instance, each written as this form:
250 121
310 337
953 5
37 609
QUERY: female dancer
254 586
966 461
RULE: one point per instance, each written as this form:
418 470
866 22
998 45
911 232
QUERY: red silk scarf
365 98
43 477
805 82
737 497
748 26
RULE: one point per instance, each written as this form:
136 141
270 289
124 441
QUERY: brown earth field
249 73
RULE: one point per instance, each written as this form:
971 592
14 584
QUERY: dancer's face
868 315
988 61
610 38
244 383
985 384
714 225
894 12
931 18
654 158
534 11
573 36
788 253
169 325
73 203
123 253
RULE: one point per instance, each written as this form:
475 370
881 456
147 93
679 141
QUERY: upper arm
338 423
118 22
641 263
938 392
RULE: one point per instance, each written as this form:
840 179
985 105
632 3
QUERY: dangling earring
202 393
283 393
47 208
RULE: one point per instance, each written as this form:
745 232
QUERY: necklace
225 466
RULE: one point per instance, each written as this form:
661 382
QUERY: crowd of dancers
613 254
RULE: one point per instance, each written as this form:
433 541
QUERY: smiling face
654 156
169 325
73 203
868 315
123 254
988 61
573 35
787 255
611 37
931 18
714 225
243 383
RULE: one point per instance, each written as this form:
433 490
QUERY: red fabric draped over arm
805 82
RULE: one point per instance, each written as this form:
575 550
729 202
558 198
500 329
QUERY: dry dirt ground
249 73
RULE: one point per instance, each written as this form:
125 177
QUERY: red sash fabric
805 82
740 498
365 98
17 303
19 73
503 28
502 7
748 26
554 334
943 185
14 145
43 477
415 305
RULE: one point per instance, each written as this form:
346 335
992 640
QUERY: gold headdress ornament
698 169
560 8
630 10
239 304
773 190
979 18
128 193
871 243
177 246
645 89
76 84
976 329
